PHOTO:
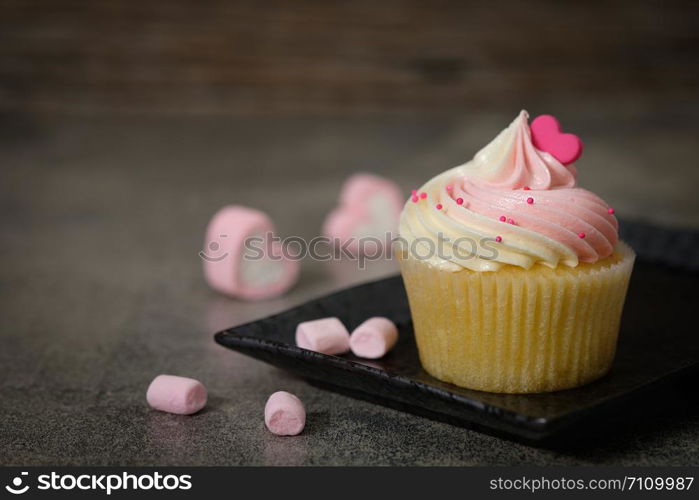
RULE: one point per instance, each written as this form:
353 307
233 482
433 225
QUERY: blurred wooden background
330 57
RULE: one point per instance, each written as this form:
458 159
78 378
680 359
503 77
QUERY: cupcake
516 277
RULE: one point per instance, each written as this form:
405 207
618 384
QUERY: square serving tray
658 346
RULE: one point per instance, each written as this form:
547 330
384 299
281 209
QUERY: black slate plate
658 344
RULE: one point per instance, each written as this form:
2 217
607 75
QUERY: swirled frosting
512 204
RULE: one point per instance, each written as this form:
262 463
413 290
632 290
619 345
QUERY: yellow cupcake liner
516 330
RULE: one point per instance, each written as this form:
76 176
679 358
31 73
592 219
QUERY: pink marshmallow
361 186
327 336
225 268
341 224
173 394
369 205
285 414
374 338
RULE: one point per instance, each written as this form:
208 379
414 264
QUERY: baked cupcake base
517 330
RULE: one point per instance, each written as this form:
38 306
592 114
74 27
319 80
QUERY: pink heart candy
547 136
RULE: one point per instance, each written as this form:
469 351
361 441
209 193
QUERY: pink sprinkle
413 191
610 211
415 199
439 206
423 195
503 218
581 235
526 188
459 201
450 187
498 239
510 221
530 200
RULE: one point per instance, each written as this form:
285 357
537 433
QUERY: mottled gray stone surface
100 227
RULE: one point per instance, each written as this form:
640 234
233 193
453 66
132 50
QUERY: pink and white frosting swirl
512 204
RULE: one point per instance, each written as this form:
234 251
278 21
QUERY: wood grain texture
313 56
